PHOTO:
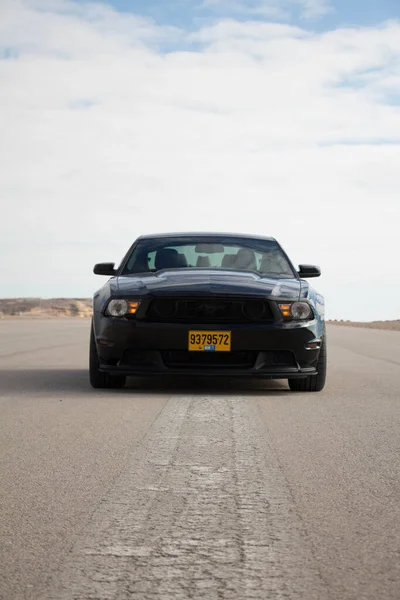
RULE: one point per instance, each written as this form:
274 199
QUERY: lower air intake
182 359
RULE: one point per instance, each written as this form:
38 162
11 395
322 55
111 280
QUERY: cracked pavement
197 489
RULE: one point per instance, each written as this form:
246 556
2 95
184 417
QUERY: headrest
203 261
228 261
270 264
182 260
246 259
167 258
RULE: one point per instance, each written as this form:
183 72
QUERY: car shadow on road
76 382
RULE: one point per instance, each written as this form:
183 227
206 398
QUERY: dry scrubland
52 307
82 307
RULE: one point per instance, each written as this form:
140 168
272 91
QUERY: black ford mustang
208 304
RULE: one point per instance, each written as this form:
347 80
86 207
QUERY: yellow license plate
209 341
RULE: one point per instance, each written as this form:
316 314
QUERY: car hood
204 281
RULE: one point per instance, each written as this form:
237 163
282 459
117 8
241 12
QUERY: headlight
121 308
300 311
117 308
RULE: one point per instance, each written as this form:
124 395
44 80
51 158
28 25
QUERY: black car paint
209 281
115 336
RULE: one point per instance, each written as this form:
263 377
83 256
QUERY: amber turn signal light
285 310
133 307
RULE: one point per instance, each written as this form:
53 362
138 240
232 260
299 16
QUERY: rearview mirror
104 269
309 271
209 248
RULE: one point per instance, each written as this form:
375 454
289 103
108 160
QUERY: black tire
312 383
100 380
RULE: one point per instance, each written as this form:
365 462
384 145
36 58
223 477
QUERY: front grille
209 310
183 358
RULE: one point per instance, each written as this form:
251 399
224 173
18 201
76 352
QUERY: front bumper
271 351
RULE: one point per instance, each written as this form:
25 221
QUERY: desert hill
40 307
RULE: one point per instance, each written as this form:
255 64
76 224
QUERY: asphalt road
197 489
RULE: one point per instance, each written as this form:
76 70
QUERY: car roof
207 234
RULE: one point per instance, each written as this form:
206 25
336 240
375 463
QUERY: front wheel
312 383
98 379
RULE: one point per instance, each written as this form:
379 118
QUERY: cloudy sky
275 117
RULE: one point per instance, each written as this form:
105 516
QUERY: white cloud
265 128
312 9
308 9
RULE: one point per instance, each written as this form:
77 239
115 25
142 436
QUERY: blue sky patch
191 14
8 53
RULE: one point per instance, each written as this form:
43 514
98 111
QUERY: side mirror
309 271
104 269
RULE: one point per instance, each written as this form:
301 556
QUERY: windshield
261 256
